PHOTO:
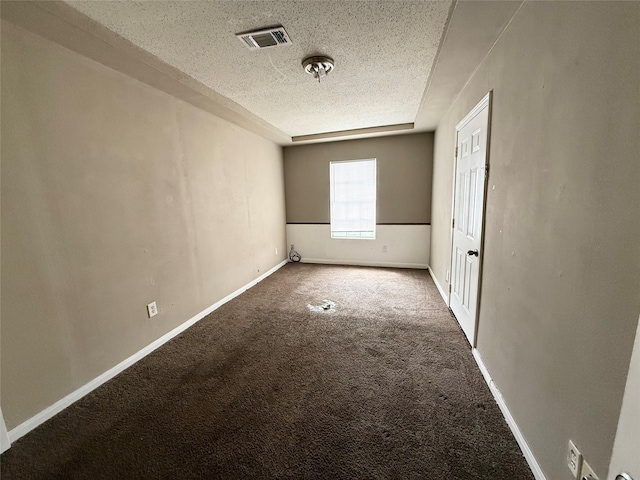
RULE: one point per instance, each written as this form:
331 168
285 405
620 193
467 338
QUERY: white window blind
353 199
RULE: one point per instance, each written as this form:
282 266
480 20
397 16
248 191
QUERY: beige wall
404 177
559 304
115 195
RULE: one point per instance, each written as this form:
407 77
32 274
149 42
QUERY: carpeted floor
381 386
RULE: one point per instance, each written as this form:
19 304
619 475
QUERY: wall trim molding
328 223
353 132
28 425
410 223
440 289
422 266
524 446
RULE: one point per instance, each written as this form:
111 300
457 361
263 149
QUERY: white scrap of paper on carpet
325 306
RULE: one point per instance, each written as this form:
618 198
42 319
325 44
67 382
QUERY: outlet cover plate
574 460
152 309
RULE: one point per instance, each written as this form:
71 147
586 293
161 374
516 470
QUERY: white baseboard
440 289
359 263
63 403
526 451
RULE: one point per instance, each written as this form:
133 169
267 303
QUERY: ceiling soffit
383 50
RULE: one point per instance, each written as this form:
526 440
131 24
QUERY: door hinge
486 171
456 155
453 223
449 288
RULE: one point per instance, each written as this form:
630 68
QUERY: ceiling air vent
265 38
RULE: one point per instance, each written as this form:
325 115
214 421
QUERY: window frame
331 198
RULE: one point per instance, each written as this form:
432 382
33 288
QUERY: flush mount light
319 66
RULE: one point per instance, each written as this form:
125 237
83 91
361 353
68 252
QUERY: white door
468 208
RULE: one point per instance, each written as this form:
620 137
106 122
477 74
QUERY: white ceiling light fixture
319 66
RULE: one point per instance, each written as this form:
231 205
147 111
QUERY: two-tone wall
115 195
560 288
403 206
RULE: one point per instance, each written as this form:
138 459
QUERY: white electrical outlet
152 309
276 250
587 473
448 276
384 249
574 460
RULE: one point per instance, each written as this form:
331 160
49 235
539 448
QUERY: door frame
623 457
5 443
487 101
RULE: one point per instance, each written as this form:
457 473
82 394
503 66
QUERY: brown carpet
381 386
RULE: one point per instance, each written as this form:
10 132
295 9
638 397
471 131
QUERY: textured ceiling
383 50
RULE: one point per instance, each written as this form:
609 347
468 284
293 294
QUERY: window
353 199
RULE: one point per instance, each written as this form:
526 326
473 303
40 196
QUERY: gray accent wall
404 177
115 195
560 288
